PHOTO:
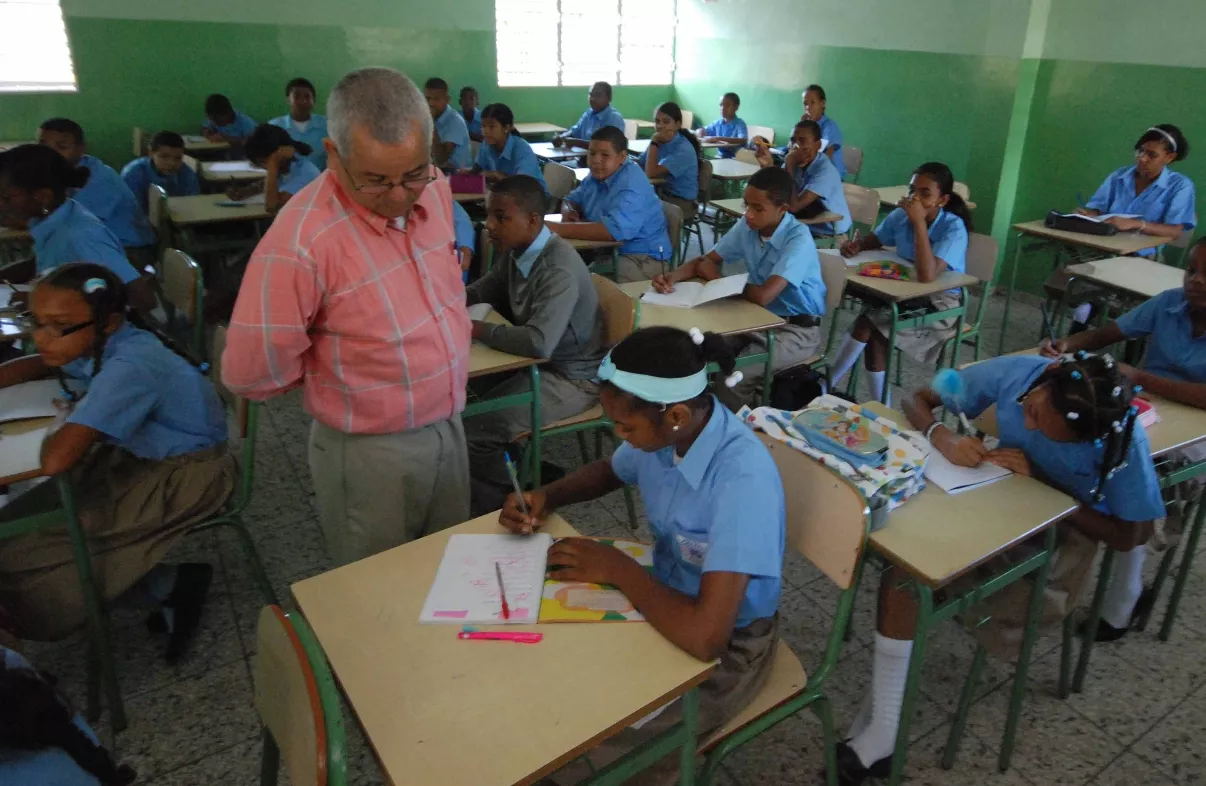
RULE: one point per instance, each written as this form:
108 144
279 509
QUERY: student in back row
504 152
729 129
301 122
470 113
818 184
224 123
163 167
617 203
673 155
450 136
600 115
814 109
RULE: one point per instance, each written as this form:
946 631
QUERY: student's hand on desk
851 248
663 283
1011 459
583 559
570 216
1125 224
1053 349
211 135
491 177
959 449
558 141
513 518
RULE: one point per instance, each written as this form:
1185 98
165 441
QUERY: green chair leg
257 566
965 701
824 713
270 761
1156 587
583 451
1065 656
1190 550
1090 634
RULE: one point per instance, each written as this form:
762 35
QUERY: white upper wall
441 15
1153 32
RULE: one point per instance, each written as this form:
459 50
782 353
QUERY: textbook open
863 257
1101 219
688 294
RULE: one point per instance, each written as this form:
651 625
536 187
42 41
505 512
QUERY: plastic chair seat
787 679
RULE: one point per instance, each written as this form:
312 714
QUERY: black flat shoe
187 600
851 771
1105 631
1143 609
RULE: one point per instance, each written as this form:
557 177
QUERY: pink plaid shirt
370 318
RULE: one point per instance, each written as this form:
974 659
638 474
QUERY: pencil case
1055 220
892 270
847 436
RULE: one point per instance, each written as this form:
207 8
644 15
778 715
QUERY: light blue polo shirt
474 125
948 237
451 128
241 127
147 399
680 159
591 121
627 205
821 178
72 234
833 135
316 131
1169 200
516 158
140 174
720 508
1172 350
462 226
1133 494
108 198
301 173
730 129
789 253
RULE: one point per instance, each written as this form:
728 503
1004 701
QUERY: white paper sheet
954 479
229 167
479 311
30 400
7 290
689 294
21 452
863 257
465 590
1104 217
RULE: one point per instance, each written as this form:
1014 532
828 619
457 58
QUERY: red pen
518 638
502 593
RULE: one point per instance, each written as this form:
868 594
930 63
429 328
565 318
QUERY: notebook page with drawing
688 294
465 590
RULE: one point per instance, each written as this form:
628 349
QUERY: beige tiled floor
1140 720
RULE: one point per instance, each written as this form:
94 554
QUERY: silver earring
674 429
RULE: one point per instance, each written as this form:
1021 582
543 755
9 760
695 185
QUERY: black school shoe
851 771
187 600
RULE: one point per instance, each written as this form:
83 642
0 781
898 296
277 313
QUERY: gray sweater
554 311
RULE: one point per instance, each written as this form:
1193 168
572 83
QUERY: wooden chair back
982 257
962 190
688 119
560 179
141 142
863 204
183 289
474 147
630 129
833 273
746 156
766 132
853 158
618 310
191 163
674 224
827 518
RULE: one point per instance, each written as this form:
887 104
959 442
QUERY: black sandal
187 600
852 772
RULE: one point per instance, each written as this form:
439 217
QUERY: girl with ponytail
503 151
716 510
674 155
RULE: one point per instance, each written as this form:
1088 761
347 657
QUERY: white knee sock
1082 312
1125 587
877 380
847 354
889 673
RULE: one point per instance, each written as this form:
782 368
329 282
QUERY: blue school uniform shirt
140 174
72 234
516 158
147 399
627 205
591 121
680 159
1172 350
833 135
462 226
47 766
821 178
302 172
475 125
316 131
1169 200
789 253
451 128
948 237
242 126
108 198
730 129
718 508
1133 494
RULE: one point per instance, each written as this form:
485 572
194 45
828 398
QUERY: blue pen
523 505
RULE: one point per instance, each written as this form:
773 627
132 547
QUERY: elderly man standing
355 293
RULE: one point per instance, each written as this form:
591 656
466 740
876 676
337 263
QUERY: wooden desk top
732 169
242 176
199 144
645 124
469 197
938 537
1134 275
1122 244
546 150
892 291
418 690
13 428
890 196
736 207
540 127
487 360
14 235
204 209
731 316
638 146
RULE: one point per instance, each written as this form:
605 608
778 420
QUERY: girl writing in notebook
716 508
143 436
285 159
1068 423
930 230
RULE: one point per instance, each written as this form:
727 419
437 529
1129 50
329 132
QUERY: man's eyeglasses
415 184
54 332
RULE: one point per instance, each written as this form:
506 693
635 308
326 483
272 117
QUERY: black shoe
1143 609
187 600
852 772
156 623
1105 631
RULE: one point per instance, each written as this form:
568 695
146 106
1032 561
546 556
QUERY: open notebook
688 294
863 257
21 448
954 479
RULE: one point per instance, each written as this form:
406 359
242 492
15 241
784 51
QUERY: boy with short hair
163 167
450 135
729 129
600 114
301 122
224 123
470 113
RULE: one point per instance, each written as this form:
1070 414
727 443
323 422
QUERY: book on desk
689 294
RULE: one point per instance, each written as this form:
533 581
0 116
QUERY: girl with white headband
716 509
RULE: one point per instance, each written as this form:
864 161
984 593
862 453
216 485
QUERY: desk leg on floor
767 377
536 426
1065 302
1013 281
891 351
908 707
1190 547
686 765
1088 638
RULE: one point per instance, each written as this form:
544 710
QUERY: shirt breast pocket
692 547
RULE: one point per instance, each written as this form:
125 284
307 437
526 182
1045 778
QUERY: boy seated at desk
784 274
224 123
286 162
301 122
1173 367
449 136
818 184
540 284
600 115
617 203
163 167
729 129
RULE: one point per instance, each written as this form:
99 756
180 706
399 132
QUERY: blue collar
611 179
64 215
703 450
508 148
1160 182
524 262
779 236
1180 304
593 113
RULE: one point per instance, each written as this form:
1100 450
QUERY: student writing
729 129
673 155
224 123
163 167
301 122
504 152
450 136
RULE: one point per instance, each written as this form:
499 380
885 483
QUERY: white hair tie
697 336
734 379
1169 137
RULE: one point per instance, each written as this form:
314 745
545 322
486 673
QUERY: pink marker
518 638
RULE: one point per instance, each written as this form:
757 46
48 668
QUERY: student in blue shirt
784 274
163 167
716 509
42 741
618 203
729 129
34 182
285 159
301 122
224 123
144 438
600 115
465 241
929 229
674 155
818 184
105 195
450 136
504 152
814 109
470 113
1069 424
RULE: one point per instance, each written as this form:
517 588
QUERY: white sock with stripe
889 673
1125 587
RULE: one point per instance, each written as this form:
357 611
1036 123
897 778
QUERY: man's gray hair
384 101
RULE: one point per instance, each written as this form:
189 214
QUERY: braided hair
1095 398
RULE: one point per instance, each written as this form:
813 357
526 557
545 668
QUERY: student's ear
678 416
43 198
332 151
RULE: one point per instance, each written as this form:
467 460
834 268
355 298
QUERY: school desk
546 152
638 146
936 538
1085 247
537 129
1137 278
199 145
594 246
190 213
731 316
645 124
469 198
438 710
10 144
736 208
890 196
230 172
